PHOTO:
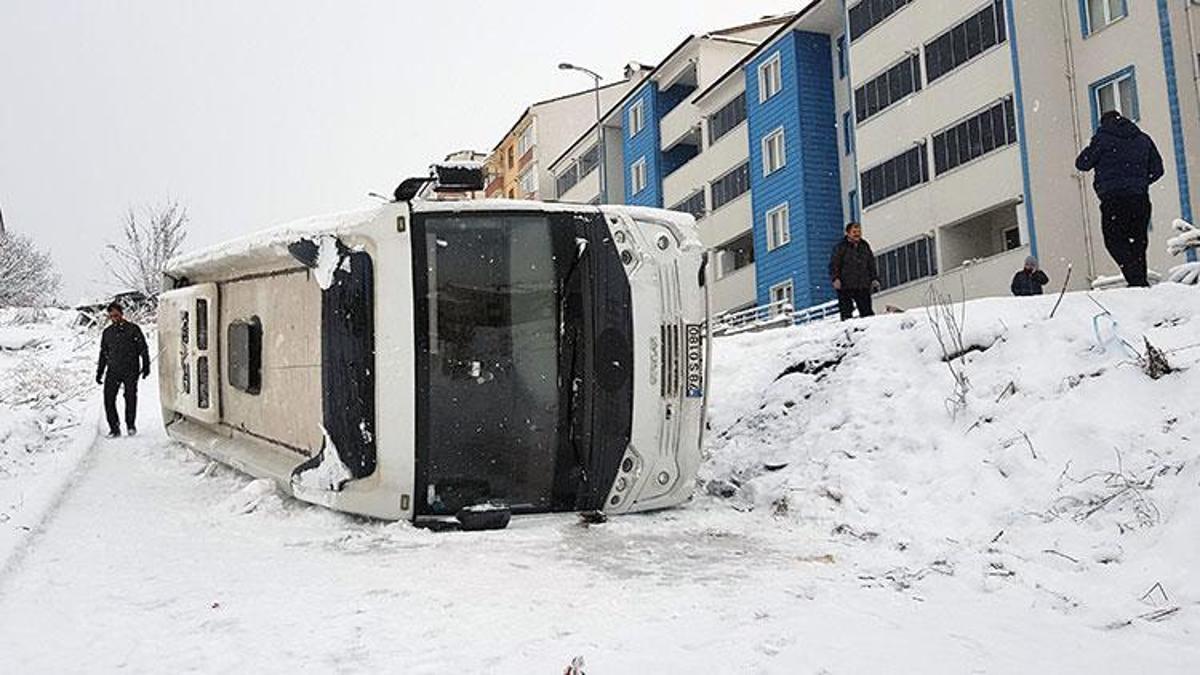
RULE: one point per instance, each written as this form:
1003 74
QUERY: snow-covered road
157 561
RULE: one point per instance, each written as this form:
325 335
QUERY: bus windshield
493 294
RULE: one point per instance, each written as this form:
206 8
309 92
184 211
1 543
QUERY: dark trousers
111 384
849 298
1126 226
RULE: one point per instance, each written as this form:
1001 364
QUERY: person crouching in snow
123 354
854 273
1029 281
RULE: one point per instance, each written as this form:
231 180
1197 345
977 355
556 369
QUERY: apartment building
659 150
949 129
518 167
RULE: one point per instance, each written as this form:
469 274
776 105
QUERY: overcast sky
257 112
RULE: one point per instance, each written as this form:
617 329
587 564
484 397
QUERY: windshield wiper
573 383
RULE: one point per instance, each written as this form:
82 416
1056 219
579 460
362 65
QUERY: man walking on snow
1126 163
854 273
123 355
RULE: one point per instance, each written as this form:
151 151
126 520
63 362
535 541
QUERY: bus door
189 352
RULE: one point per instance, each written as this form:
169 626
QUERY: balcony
726 154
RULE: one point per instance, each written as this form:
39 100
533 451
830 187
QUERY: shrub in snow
27 276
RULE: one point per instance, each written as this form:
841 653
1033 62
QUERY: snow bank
1071 475
49 410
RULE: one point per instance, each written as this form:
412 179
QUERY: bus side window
245 355
202 382
202 324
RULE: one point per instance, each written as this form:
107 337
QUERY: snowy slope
846 524
46 422
1071 477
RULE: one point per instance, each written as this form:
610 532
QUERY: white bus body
414 359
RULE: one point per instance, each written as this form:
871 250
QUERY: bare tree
151 236
27 275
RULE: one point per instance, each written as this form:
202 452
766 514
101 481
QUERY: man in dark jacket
1126 163
854 273
1029 281
123 355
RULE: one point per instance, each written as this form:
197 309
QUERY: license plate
694 346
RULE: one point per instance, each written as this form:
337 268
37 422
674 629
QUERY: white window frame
779 226
1004 237
770 78
1109 19
526 140
529 174
637 118
767 142
637 177
1115 83
787 290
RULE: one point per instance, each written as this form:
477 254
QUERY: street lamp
599 128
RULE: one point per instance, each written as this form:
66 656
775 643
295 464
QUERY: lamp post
599 128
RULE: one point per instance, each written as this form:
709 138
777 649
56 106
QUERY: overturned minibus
424 358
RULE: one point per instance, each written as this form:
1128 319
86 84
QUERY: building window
852 198
770 78
589 161
730 186
735 254
528 180
888 88
696 205
1103 13
512 160
784 295
847 133
637 118
1012 238
902 172
637 176
841 57
990 129
779 229
870 13
977 34
727 119
245 355
907 263
567 180
1116 92
774 152
525 141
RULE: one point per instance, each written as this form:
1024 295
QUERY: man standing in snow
1126 163
1030 280
854 273
123 355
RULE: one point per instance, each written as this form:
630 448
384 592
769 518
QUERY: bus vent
671 351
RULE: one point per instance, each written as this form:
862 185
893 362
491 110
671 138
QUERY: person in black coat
1029 281
1126 163
124 355
854 273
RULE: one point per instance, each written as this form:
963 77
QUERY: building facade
948 129
518 167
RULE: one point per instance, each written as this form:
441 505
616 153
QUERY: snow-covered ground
847 523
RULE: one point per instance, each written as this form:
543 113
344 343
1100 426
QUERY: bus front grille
672 349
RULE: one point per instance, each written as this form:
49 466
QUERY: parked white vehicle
424 357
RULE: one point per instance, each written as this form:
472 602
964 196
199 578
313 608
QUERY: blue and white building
948 129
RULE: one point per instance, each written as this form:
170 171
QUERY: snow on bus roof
280 235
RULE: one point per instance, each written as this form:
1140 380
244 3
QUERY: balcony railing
774 315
